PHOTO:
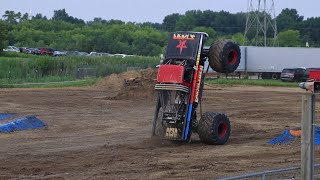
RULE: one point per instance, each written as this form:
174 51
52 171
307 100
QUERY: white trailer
270 61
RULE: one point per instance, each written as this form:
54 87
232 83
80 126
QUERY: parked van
292 74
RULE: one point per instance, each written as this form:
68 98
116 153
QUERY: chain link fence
105 70
290 173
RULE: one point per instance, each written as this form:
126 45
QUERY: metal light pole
307 124
307 136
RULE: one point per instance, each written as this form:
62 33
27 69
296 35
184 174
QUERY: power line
261 18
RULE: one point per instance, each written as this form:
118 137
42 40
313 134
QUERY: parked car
83 53
12 49
77 53
35 51
122 55
59 53
73 53
25 50
46 51
292 74
306 73
99 54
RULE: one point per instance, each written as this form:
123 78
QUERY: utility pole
307 136
261 23
307 124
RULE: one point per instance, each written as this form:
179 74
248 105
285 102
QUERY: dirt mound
115 82
131 84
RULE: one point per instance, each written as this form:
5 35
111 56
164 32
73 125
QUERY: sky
145 10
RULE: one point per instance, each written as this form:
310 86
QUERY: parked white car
99 54
122 55
12 49
59 53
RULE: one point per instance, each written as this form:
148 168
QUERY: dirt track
91 136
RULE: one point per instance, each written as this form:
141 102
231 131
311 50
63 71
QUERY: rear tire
275 76
224 56
266 75
214 128
158 128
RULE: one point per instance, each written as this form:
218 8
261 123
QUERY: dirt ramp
132 84
112 82
115 82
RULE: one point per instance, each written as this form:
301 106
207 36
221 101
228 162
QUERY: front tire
224 56
214 128
158 127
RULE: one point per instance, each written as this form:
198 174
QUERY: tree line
65 32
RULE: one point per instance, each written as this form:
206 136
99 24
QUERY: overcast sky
145 10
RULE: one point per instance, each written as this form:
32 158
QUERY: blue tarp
5 116
286 137
317 135
23 123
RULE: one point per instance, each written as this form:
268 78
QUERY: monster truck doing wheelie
180 83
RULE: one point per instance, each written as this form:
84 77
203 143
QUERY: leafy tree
3 36
147 42
62 15
289 19
65 32
170 21
239 38
186 22
289 38
311 30
157 26
114 21
39 17
11 16
223 22
97 20
211 32
24 17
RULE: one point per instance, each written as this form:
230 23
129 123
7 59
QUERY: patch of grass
21 68
252 82
37 79
16 54
79 83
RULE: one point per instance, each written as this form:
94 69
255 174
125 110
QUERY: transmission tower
261 24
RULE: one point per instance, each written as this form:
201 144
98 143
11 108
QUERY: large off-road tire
224 56
159 126
214 128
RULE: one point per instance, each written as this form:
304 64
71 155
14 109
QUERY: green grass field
18 68
78 83
252 82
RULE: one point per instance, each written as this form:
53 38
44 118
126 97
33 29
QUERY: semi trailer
268 62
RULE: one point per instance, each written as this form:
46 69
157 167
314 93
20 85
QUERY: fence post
307 136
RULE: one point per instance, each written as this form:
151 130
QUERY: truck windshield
183 45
